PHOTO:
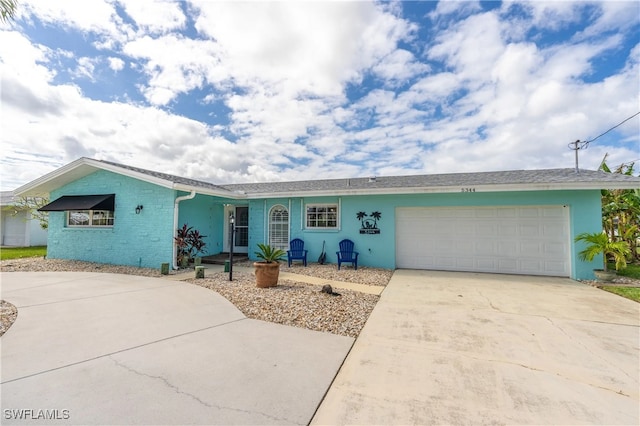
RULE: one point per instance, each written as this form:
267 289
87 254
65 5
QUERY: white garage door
511 240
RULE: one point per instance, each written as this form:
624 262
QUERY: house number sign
369 222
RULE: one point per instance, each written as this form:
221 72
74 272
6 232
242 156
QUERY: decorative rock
329 290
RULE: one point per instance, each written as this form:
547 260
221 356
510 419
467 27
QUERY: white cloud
176 65
155 16
457 7
482 95
310 48
95 16
471 46
618 16
86 68
116 64
549 14
398 67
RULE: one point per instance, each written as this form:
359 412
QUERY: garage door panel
531 248
507 248
506 212
531 212
486 263
508 265
508 230
462 263
516 240
555 249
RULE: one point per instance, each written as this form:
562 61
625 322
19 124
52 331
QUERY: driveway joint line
192 396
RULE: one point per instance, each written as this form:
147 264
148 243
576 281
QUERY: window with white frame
89 218
279 227
322 216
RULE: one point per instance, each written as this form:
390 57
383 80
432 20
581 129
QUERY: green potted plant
599 243
268 268
189 243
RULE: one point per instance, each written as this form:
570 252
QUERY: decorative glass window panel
279 227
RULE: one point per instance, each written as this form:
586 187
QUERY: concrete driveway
456 348
90 348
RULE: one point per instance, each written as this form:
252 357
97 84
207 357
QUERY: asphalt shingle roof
512 177
510 180
171 178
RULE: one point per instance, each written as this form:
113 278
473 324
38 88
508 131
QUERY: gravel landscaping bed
294 303
8 314
291 303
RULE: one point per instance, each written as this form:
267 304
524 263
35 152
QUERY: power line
578 144
585 144
617 125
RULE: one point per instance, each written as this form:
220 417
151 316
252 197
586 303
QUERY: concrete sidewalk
92 348
456 348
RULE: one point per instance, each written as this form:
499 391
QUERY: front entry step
220 258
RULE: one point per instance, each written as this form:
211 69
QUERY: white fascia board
210 191
79 169
451 189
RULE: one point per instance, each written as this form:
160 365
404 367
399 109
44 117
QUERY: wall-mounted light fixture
139 208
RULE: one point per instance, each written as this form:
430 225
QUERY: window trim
335 205
286 225
109 217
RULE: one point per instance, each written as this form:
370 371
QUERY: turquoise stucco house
513 222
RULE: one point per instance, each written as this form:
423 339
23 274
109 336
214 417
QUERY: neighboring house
19 228
514 222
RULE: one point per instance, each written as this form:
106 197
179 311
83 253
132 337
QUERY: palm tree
599 243
621 210
7 9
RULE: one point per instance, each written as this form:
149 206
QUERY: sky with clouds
267 91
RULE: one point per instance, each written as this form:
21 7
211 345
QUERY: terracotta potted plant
599 243
268 269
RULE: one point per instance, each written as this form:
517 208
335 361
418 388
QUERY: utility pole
575 146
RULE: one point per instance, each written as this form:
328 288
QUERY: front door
242 230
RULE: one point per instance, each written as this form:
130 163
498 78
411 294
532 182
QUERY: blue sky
267 91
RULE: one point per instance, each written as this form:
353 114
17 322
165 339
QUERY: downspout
176 210
289 214
265 224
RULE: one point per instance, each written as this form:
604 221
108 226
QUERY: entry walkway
362 288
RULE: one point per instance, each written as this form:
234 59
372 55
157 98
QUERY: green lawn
631 271
18 252
632 293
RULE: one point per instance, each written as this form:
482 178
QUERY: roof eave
450 189
209 191
80 168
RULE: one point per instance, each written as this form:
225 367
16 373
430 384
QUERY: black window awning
81 202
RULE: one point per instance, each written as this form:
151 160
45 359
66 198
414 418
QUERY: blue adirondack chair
346 254
296 251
